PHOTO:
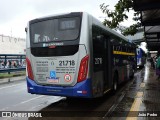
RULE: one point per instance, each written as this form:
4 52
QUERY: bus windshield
51 30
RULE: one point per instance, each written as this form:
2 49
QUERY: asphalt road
14 97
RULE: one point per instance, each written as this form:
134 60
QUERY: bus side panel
124 61
119 66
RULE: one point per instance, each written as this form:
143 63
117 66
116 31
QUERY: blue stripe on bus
82 89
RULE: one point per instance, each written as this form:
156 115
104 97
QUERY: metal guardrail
12 62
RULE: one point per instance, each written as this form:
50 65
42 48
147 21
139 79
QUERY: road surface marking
31 99
139 94
11 86
21 103
48 100
135 106
142 85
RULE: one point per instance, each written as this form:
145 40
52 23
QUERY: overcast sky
14 14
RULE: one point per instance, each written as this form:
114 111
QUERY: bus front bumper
82 89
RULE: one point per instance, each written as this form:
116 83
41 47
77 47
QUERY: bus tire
115 82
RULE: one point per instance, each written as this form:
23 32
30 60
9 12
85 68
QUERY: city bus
75 55
141 58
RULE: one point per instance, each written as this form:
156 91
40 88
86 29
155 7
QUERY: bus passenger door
100 55
107 64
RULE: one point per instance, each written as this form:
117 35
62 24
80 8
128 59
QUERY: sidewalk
142 98
12 79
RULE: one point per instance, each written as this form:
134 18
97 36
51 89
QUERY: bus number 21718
66 63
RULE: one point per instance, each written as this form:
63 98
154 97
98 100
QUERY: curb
12 79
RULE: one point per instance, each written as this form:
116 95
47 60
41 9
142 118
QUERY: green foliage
119 15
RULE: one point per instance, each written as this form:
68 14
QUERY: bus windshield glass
51 30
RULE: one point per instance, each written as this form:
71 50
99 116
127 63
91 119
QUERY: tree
118 15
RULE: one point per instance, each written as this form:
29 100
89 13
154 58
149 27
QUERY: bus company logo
67 78
55 44
52 44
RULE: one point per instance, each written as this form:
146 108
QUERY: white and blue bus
75 55
141 58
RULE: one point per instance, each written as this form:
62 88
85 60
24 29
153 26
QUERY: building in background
12 45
